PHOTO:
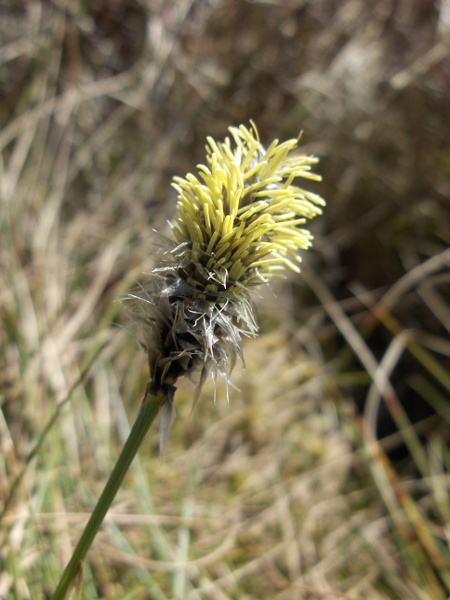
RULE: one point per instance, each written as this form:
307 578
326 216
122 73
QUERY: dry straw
239 223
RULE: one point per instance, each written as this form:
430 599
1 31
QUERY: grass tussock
326 477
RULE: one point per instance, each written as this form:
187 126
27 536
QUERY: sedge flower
239 223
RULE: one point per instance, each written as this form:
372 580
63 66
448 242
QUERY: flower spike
239 222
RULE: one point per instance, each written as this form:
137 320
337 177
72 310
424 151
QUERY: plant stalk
151 404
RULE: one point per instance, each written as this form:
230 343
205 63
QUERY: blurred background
327 475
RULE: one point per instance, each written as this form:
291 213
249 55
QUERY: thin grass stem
151 404
35 451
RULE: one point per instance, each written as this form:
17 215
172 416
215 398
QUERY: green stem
151 404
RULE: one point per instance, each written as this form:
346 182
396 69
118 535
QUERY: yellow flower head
238 223
240 219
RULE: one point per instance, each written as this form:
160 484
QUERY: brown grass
326 477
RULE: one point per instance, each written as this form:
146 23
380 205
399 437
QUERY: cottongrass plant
239 224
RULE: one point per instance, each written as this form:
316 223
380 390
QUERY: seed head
239 222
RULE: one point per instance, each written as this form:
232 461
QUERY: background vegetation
285 493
